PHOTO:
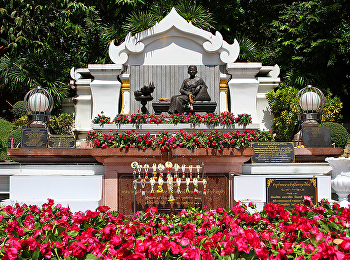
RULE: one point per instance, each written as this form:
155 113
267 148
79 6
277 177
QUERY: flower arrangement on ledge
225 118
182 139
54 232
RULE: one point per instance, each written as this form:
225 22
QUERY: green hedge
19 109
16 136
5 130
339 135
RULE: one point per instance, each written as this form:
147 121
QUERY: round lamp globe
38 102
310 101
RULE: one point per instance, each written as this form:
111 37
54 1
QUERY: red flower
191 253
308 201
45 249
345 244
262 252
152 210
103 208
206 255
78 249
10 254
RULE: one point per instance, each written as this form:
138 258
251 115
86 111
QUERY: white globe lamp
38 103
310 102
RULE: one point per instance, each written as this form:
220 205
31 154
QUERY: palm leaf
196 14
139 21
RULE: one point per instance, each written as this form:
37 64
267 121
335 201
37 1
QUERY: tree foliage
312 40
41 41
188 9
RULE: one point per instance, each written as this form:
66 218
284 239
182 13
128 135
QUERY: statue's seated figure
192 89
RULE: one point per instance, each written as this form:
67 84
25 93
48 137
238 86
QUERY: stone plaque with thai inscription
317 137
61 141
290 191
130 201
34 138
273 152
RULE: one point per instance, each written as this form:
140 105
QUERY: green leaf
310 214
36 254
325 228
90 257
18 21
73 233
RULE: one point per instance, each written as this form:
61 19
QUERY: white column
244 88
83 105
105 89
82 102
266 83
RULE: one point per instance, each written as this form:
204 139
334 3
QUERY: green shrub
62 124
16 135
339 135
284 110
20 122
19 109
5 130
332 109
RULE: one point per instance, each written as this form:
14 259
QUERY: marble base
78 187
251 185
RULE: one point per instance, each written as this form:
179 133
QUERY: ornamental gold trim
125 87
224 88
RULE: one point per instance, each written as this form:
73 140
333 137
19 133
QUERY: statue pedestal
220 168
318 154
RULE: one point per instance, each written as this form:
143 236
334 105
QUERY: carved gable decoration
174 41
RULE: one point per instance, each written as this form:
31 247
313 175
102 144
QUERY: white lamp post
310 101
38 103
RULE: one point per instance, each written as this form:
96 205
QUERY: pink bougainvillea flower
262 252
152 209
191 253
183 211
175 248
319 232
308 201
206 255
137 256
345 244
10 254
103 208
45 249
78 249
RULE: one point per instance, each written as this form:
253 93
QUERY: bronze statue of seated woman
192 89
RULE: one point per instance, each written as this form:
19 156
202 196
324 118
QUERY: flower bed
166 141
54 232
225 118
182 139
